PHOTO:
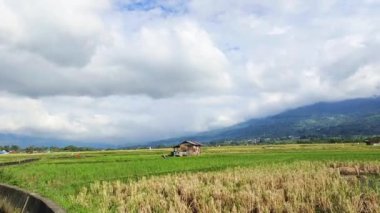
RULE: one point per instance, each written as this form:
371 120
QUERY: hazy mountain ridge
325 119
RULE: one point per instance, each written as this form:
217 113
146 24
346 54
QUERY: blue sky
125 72
168 8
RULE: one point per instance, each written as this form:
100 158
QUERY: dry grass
356 169
301 187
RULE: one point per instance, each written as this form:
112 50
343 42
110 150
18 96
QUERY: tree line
31 149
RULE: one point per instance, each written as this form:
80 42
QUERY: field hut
187 148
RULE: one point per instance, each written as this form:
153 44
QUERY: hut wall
190 149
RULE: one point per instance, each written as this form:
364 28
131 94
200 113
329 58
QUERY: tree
15 147
29 149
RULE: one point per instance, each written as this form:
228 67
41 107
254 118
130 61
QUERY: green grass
59 175
14 157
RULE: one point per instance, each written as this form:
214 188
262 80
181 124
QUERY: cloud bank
128 71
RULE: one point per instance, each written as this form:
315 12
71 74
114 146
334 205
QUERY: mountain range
349 118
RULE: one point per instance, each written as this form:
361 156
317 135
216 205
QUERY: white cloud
129 71
63 32
26 116
161 61
72 50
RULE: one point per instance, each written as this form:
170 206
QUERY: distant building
187 148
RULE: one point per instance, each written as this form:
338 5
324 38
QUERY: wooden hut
187 148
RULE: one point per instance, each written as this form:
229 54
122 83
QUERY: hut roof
189 142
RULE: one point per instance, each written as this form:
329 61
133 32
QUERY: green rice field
79 181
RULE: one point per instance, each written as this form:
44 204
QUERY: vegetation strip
18 162
14 199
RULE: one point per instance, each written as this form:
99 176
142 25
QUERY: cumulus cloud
63 32
32 117
161 61
75 48
126 71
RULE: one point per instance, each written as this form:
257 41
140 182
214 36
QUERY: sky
130 71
